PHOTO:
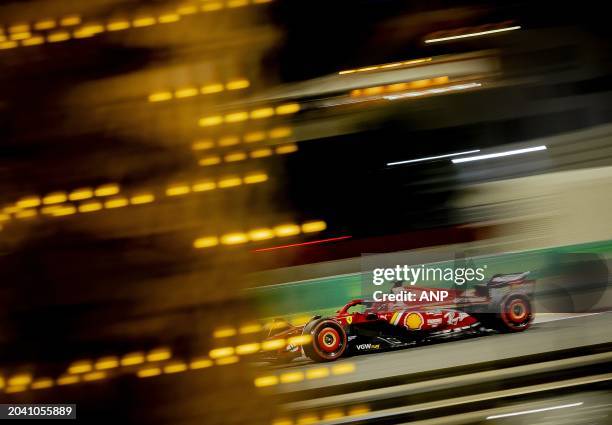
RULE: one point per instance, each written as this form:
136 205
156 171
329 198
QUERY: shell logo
413 321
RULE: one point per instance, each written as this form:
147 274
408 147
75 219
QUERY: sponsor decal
413 321
368 346
453 317
434 322
349 319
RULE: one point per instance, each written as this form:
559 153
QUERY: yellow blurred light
206 242
261 234
225 332
235 156
45 24
19 28
26 213
420 83
261 153
81 366
250 328
266 381
211 88
391 65
88 31
28 202
227 360
370 91
332 414
159 354
212 6
200 363
187 9
117 25
20 36
116 203
234 238
255 178
314 226
273 344
300 340
287 230
307 419
285 149
440 80
280 132
229 141
237 84
204 186
245 349
42 383
94 376
175 368
300 320
5 217
160 96
229 182
108 362
50 210
80 194
58 36
131 359
169 17
210 160
148 372
317 373
217 353
237 3
262 113
343 368
67 380
290 377
106 190
186 92
255 136
397 87
12 209
70 20
236 117
34 41
64 210
289 108
358 410
15 389
55 198
210 121
90 206
144 198
21 379
179 189
143 21
8 45
201 145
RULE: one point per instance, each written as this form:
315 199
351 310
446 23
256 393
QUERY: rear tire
328 340
515 314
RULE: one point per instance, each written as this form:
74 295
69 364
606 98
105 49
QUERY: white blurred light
433 157
473 34
499 154
545 409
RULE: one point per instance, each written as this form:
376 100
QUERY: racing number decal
413 321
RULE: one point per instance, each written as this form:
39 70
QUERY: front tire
329 340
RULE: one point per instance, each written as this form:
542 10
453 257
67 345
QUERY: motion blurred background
175 174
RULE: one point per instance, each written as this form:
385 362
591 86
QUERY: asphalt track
548 333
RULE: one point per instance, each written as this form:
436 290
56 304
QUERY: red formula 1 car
503 304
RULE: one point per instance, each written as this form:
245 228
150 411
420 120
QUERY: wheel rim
328 340
517 311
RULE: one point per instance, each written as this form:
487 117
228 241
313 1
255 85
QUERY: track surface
547 334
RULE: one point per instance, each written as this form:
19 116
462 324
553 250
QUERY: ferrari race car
502 304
